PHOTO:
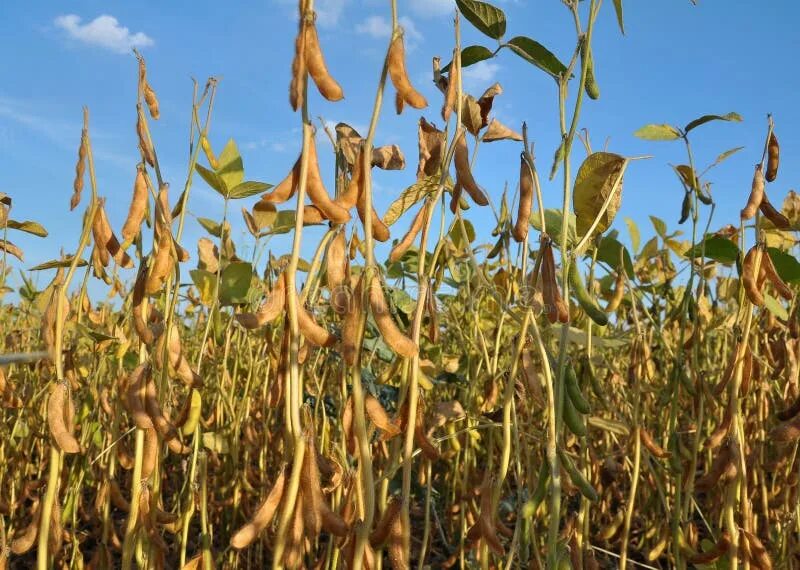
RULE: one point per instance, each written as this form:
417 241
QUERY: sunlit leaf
597 176
786 265
211 226
633 230
553 219
247 189
775 307
658 133
613 253
34 228
230 167
412 195
212 179
56 263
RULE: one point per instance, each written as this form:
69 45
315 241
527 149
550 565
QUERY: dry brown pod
396 62
554 306
147 332
486 518
520 229
136 384
24 541
380 534
756 195
138 208
453 79
617 294
149 452
80 170
311 331
399 535
380 231
377 414
105 238
317 192
286 188
464 173
336 271
297 87
395 339
772 275
750 278
57 406
773 158
652 446
351 327
777 218
315 63
144 142
270 308
405 243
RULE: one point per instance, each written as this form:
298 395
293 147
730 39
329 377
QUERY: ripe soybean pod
520 229
756 195
773 158
584 299
315 62
396 62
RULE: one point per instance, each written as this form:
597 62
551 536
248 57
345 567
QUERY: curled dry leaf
497 131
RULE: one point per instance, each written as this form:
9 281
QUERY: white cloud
379 27
104 31
329 12
433 8
375 26
480 75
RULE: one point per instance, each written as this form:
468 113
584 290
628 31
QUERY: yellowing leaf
598 174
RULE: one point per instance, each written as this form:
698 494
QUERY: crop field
406 388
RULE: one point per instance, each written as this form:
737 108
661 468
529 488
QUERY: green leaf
660 226
471 55
735 117
535 53
598 174
658 133
56 263
458 236
725 155
34 228
411 195
216 442
211 226
247 189
204 281
487 18
633 230
774 306
230 167
717 248
609 252
787 267
283 223
235 282
211 179
618 10
553 219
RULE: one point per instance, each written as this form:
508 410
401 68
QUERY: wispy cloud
432 8
379 27
480 75
329 12
104 31
63 134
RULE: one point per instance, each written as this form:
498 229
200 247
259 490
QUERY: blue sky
676 62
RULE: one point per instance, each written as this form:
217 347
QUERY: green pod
574 390
532 505
193 417
577 478
573 419
704 198
558 158
584 300
592 88
686 208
